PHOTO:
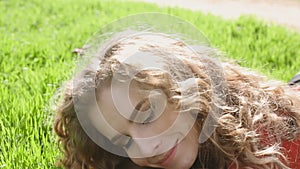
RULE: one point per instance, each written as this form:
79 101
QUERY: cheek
158 126
189 150
297 88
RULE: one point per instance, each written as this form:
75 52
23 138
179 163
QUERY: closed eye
149 118
128 144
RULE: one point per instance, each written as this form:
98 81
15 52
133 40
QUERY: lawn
36 43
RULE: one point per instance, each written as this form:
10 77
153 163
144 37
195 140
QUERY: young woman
148 100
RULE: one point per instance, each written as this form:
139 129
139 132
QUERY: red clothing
292 152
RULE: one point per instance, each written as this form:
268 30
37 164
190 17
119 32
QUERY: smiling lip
168 156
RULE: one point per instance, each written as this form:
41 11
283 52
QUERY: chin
184 161
184 164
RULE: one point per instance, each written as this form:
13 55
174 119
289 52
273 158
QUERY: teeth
161 157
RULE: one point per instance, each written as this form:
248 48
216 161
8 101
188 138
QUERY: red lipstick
168 156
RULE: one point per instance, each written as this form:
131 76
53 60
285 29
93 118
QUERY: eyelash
149 118
128 144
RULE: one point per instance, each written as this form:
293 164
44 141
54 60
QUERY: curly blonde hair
256 114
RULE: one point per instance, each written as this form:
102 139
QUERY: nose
145 147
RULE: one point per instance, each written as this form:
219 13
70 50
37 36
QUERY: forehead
115 106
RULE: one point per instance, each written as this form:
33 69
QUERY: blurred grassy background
36 42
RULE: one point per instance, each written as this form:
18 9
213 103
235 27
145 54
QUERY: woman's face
152 131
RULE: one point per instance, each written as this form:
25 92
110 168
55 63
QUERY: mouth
168 156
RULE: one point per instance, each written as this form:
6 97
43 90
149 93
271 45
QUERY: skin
148 143
297 88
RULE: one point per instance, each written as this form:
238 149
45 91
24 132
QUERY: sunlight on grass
37 38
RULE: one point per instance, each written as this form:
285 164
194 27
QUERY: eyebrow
131 118
136 110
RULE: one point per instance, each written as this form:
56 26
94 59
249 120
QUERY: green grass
36 40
